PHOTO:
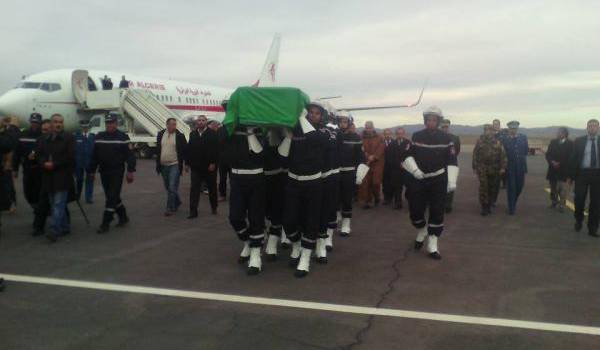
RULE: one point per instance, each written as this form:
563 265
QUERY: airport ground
528 267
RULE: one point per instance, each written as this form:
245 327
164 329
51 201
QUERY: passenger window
45 87
91 85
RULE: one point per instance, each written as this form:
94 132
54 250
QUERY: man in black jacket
56 156
171 146
558 154
387 187
202 156
397 174
585 169
112 152
32 173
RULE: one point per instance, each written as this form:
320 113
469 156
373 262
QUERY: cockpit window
50 87
29 85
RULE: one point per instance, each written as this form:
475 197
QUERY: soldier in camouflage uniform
489 163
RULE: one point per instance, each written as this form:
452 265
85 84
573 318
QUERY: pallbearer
275 177
304 186
431 159
331 186
247 194
350 156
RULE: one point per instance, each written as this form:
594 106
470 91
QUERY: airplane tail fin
269 71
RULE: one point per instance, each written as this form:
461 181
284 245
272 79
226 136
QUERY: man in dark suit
558 154
585 170
387 187
202 157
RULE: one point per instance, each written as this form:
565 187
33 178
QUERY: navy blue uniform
247 194
304 186
84 149
350 156
112 154
433 151
516 149
331 182
275 175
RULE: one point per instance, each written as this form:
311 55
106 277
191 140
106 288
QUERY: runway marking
568 203
360 310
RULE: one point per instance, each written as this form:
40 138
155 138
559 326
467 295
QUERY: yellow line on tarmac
569 204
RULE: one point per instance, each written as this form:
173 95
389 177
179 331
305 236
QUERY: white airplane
56 92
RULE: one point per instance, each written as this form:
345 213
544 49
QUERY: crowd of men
291 187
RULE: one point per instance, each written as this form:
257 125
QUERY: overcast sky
534 61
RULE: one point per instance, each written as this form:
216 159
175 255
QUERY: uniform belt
247 171
275 171
330 172
24 139
304 177
435 173
348 168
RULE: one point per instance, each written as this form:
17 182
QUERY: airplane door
79 81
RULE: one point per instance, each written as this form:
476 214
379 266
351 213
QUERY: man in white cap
431 159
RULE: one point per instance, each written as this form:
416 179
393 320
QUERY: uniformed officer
489 163
517 148
25 155
445 127
350 155
245 154
431 159
304 189
331 187
84 148
275 176
112 154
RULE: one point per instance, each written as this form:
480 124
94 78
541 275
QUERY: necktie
594 160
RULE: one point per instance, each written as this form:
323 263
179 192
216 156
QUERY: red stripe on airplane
196 108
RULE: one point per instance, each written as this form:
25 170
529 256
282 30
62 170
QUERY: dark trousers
588 181
275 201
82 178
428 194
331 189
224 171
32 185
346 193
515 180
112 182
398 179
210 179
303 211
247 207
387 184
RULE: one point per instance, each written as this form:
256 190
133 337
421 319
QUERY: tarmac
527 281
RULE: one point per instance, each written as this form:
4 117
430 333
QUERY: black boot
103 228
418 245
123 218
2 285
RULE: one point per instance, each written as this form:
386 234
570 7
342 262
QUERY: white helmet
434 111
322 107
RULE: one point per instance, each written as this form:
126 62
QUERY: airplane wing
365 108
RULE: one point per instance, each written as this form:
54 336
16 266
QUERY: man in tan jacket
374 148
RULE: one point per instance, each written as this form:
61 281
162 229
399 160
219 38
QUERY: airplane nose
11 104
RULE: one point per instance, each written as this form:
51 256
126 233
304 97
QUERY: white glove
286 143
411 166
361 172
253 143
452 177
306 125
